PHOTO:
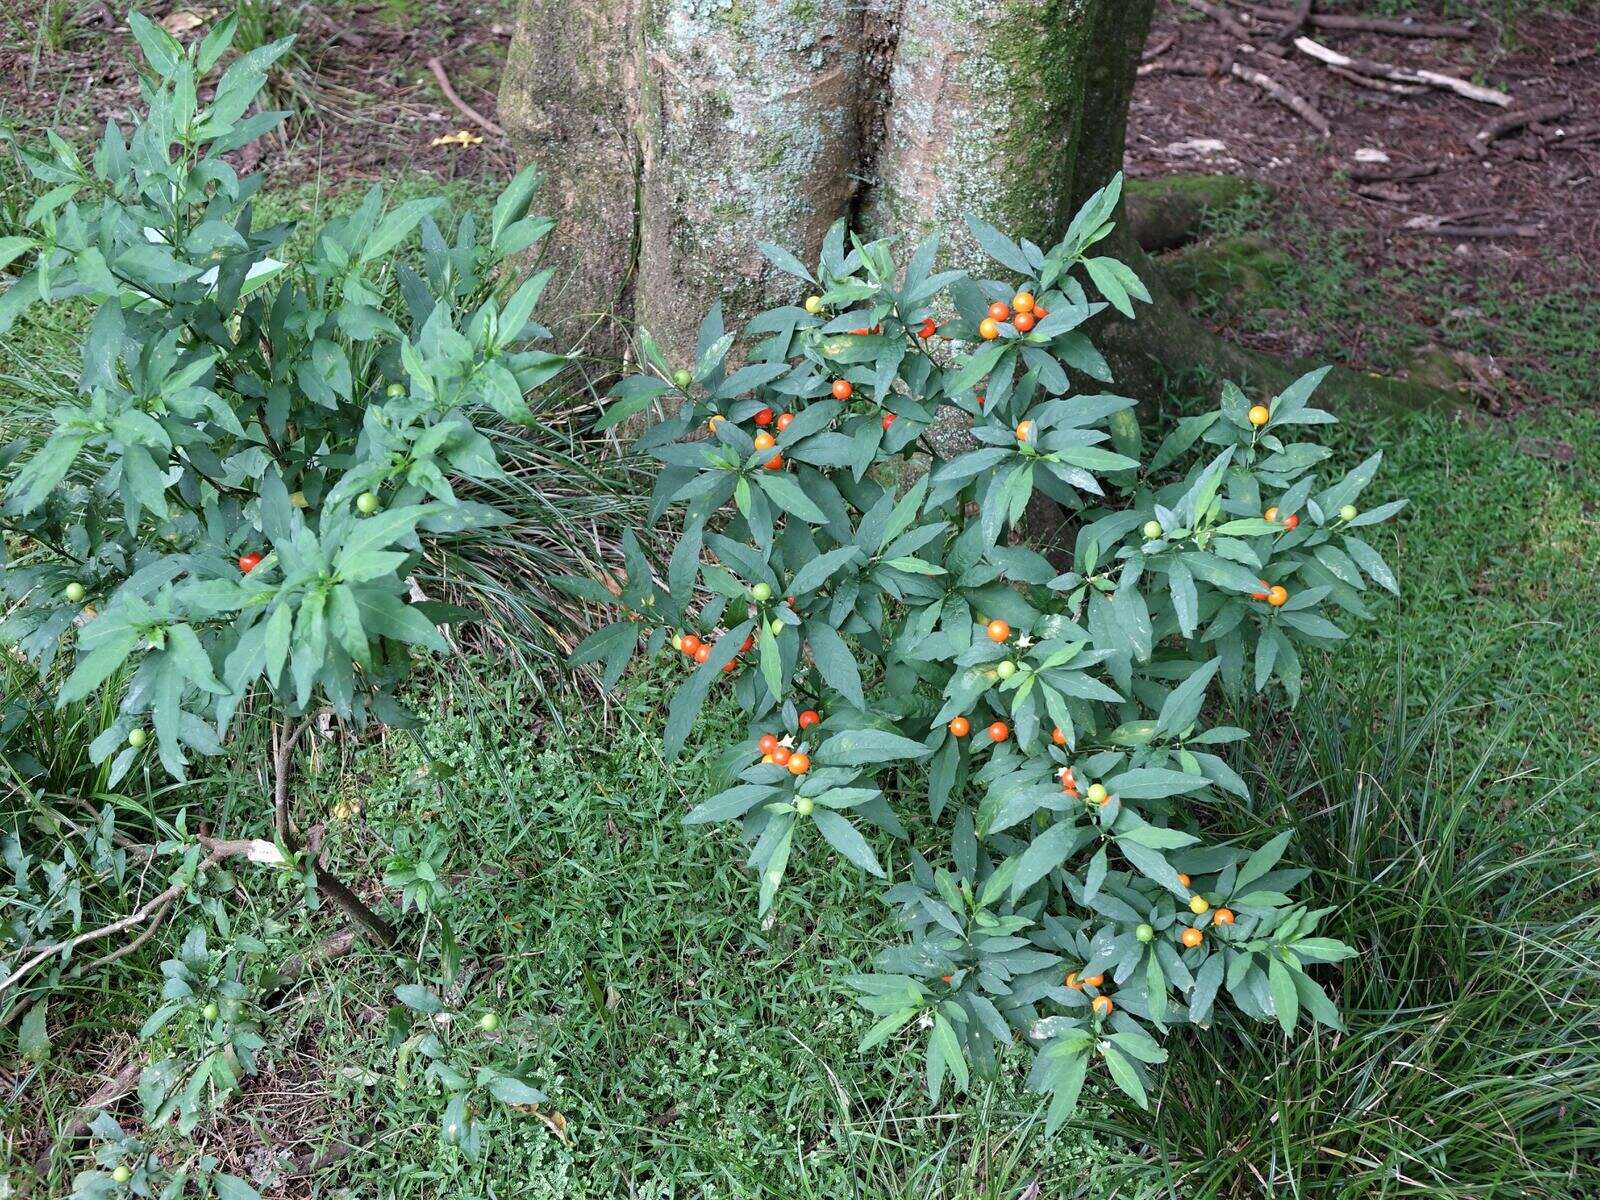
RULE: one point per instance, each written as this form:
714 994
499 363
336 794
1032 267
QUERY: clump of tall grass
1470 1061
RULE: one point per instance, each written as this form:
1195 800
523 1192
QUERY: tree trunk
678 134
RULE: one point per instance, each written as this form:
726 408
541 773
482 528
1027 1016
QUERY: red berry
767 744
999 311
843 389
784 421
775 463
249 562
729 667
1023 321
782 755
888 420
929 328
999 731
749 644
702 652
960 726
809 718
764 417
1291 521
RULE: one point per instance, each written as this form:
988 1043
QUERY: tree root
1166 343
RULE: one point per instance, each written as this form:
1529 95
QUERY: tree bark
679 134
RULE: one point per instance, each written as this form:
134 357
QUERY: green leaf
789 496
419 999
734 802
508 1089
1124 1073
835 663
1153 783
1043 855
846 839
864 747
1285 997
33 1039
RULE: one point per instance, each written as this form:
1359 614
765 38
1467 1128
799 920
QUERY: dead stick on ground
1378 85
1231 24
1347 23
1390 174
1293 101
1475 231
1460 87
1512 121
472 114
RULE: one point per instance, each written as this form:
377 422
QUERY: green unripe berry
761 593
1097 793
803 806
210 1011
813 304
1145 933
1005 668
367 503
682 378
1152 530
395 390
137 738
1347 513
489 1022
775 626
677 641
74 593
122 1174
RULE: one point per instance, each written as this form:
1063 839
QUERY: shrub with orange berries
966 675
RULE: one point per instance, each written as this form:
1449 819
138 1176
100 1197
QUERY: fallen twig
1348 23
1291 100
1179 66
1574 56
1460 87
1385 173
1508 122
466 110
1222 17
1160 48
1378 85
1474 231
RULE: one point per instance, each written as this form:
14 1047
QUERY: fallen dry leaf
462 137
181 21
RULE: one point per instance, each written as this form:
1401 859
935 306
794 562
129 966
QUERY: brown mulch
366 105
1192 114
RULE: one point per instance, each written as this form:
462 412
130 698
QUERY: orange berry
799 764
843 389
1058 737
1223 916
1102 1005
1263 593
999 731
998 630
1023 321
1183 879
862 332
980 400
784 421
999 311
1040 312
766 759
1271 514
775 463
809 718
1069 782
1291 521
1072 981
988 329
782 755
748 645
690 644
1191 938
703 653
764 417
1027 431
1259 415
960 726
716 420
1023 302
767 744
765 441
729 667
1278 596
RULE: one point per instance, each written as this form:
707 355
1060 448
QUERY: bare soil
1539 185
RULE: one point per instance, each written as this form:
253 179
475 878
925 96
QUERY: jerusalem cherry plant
1025 738
261 444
